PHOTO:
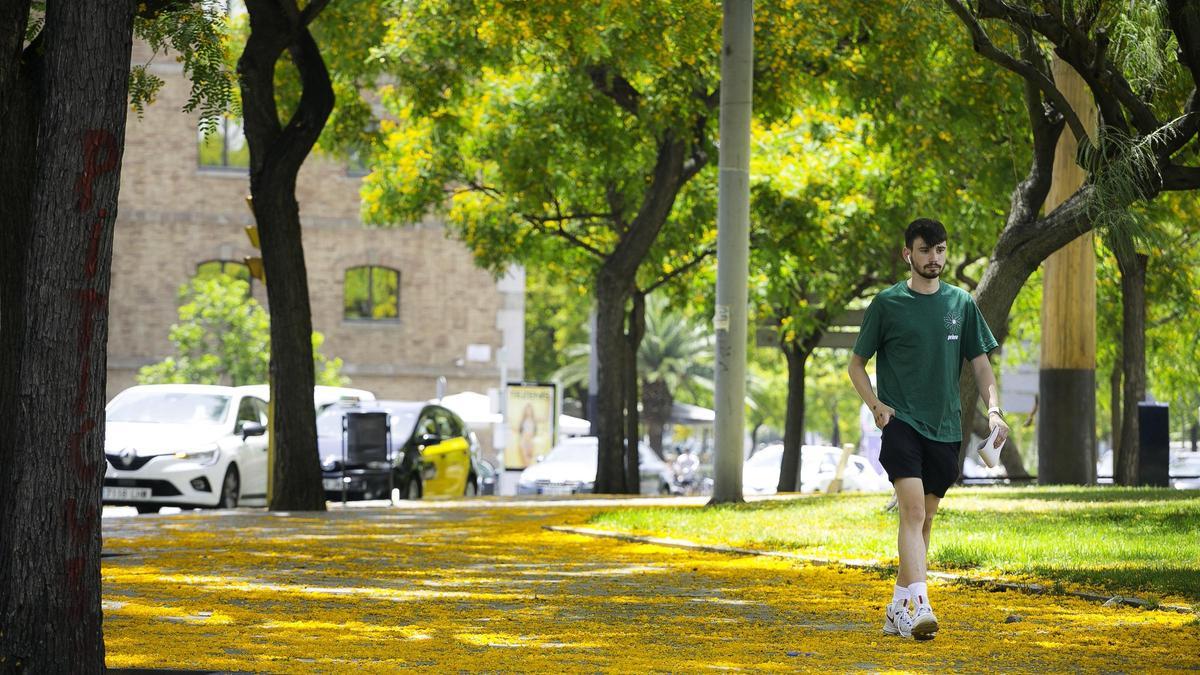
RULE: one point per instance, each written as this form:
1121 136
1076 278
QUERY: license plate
558 489
333 484
124 493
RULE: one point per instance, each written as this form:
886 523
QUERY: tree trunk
836 434
614 285
1114 399
63 115
633 340
1021 249
657 402
276 155
610 404
1133 304
793 430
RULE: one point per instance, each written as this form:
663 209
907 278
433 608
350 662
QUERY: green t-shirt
922 341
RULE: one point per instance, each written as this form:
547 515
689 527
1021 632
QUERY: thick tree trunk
276 155
1021 248
793 430
614 286
73 102
611 295
1133 303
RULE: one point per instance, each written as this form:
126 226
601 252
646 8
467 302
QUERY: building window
355 166
372 293
224 147
237 270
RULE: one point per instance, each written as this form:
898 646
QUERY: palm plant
675 353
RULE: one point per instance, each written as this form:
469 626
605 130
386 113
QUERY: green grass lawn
1115 540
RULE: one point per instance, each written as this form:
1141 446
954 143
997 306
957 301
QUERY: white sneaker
897 620
924 624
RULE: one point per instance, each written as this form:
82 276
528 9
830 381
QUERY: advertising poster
529 415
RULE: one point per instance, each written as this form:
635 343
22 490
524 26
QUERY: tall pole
1067 379
733 246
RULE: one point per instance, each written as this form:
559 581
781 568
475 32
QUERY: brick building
417 307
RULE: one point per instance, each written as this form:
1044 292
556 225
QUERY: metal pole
733 247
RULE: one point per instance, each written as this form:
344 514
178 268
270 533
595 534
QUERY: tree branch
559 231
311 11
1179 131
562 217
696 163
984 46
1030 194
1184 19
659 197
1180 178
960 272
610 83
679 271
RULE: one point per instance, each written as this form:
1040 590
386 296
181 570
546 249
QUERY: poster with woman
529 414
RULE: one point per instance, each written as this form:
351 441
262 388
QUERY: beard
927 273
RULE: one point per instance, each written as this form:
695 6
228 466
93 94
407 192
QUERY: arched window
372 293
237 270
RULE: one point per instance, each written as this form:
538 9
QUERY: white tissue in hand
989 452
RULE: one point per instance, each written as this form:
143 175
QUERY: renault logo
127 456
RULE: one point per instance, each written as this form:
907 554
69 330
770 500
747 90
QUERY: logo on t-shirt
953 325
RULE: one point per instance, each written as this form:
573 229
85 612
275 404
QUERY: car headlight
202 457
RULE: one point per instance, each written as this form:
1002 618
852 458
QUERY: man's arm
985 379
862 384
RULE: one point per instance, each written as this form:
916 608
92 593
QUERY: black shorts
904 453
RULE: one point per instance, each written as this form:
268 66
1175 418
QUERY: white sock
900 594
919 594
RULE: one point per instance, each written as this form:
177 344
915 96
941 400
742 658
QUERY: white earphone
908 260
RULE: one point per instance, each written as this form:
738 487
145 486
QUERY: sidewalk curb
988 583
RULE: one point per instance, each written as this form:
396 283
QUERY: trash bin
1154 437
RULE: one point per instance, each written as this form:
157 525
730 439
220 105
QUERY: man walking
923 330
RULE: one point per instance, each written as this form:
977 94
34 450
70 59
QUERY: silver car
570 468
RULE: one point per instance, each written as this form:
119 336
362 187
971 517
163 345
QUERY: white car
323 396
570 468
818 465
188 445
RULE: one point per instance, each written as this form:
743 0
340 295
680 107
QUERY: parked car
818 466
323 396
431 453
188 445
570 468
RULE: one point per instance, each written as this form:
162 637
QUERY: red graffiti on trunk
100 154
95 141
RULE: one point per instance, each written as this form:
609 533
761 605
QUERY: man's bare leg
912 541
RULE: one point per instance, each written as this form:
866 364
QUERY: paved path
482 586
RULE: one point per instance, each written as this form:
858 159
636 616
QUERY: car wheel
472 489
413 492
230 489
147 508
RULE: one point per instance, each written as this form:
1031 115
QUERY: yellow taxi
423 450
